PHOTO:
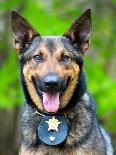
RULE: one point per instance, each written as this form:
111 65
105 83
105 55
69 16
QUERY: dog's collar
52 129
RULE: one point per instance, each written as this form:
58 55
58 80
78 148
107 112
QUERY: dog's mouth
50 99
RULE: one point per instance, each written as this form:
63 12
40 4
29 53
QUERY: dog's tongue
51 101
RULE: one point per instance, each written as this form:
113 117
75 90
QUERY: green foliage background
53 17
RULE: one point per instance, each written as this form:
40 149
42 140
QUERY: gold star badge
53 124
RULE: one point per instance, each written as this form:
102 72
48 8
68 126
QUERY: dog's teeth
52 138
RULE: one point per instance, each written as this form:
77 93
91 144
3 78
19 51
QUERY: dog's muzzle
51 86
51 82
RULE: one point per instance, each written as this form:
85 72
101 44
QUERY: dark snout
52 82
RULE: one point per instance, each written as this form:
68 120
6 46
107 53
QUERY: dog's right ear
23 32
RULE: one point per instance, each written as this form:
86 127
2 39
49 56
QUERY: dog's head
51 65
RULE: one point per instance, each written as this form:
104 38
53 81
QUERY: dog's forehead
52 40
51 43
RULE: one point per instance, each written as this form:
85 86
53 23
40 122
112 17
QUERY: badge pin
53 124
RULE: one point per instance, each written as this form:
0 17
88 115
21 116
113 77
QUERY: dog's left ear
79 32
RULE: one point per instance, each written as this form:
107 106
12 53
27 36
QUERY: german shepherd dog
59 116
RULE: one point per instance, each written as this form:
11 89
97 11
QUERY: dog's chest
66 151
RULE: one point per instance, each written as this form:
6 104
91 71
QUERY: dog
59 115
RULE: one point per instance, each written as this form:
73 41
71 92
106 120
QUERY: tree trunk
9 128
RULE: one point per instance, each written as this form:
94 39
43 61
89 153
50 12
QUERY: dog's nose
51 81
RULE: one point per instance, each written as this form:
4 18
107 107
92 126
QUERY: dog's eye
38 58
65 59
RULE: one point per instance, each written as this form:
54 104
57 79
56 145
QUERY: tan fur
85 47
55 151
73 82
17 47
27 152
31 89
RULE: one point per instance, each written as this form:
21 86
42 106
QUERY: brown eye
38 58
65 59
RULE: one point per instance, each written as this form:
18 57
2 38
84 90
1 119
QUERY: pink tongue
51 101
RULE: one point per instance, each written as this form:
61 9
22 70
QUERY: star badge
53 124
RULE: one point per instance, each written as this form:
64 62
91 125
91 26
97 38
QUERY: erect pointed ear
23 32
79 32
